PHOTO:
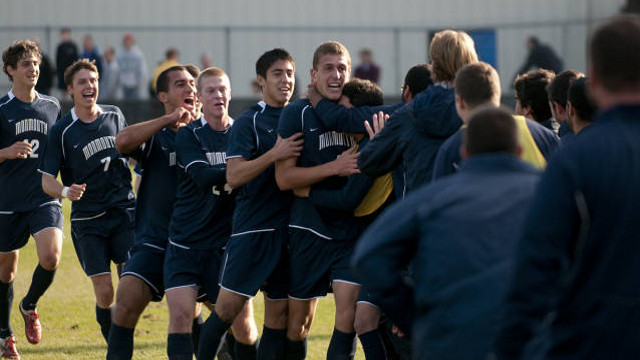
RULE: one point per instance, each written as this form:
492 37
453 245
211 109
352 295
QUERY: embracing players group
274 200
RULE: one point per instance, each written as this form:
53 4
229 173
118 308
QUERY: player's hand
19 150
76 191
347 163
396 331
289 147
378 121
313 95
180 117
302 192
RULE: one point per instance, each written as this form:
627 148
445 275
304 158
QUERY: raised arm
131 137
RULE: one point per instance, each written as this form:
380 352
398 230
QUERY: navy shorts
103 239
257 261
196 268
15 227
316 263
147 264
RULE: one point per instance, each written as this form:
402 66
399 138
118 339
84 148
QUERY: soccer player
152 144
557 92
532 100
321 241
578 256
459 234
256 256
477 86
97 179
201 219
25 118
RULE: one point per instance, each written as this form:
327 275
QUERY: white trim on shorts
141 278
368 303
194 286
253 232
235 292
307 299
89 217
102 273
153 246
50 227
346 282
310 230
178 245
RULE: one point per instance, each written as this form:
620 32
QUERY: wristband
65 192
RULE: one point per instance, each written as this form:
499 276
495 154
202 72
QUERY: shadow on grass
78 348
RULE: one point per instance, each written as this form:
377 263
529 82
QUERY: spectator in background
367 69
133 69
171 57
541 56
206 61
66 54
90 51
532 100
45 80
110 79
557 92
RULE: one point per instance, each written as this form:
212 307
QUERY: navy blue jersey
85 153
351 120
204 205
320 146
30 122
157 192
260 204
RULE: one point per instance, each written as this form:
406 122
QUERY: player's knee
50 261
276 317
363 325
245 330
7 275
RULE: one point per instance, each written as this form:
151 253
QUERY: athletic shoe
8 348
32 327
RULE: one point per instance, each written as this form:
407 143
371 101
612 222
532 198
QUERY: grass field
67 313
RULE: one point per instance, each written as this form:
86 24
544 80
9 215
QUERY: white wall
195 27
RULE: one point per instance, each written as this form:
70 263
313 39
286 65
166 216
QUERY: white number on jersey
35 145
227 189
106 161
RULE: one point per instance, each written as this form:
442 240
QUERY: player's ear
163 97
261 80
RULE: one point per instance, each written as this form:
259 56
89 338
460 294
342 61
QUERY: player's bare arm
131 137
19 150
52 187
290 176
240 170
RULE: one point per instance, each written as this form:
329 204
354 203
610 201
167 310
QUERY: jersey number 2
35 145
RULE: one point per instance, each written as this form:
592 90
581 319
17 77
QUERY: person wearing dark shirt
256 257
577 260
459 234
321 241
152 145
478 86
97 179
90 51
531 98
25 119
541 56
414 133
367 70
580 108
66 54
557 93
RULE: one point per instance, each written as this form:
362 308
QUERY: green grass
67 313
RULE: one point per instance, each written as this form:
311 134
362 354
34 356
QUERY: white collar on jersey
203 121
75 117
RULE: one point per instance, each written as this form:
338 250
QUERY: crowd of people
446 226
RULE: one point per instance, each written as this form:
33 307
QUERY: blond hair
333 48
449 51
209 72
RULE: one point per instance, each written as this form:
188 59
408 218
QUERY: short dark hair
418 78
477 83
557 88
162 83
269 58
194 70
579 99
491 130
18 51
363 93
78 65
531 91
614 52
